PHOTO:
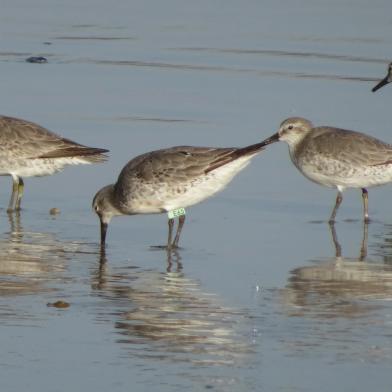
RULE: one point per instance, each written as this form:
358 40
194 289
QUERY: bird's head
291 130
103 205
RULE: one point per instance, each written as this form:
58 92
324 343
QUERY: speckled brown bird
165 180
29 150
336 158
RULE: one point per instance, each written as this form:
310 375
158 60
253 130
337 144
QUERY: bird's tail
87 154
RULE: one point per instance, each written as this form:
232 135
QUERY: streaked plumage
164 180
28 150
336 157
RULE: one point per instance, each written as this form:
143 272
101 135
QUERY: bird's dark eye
290 127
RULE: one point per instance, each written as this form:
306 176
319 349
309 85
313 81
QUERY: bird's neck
112 203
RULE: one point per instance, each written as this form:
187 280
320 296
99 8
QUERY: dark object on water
58 304
54 211
37 60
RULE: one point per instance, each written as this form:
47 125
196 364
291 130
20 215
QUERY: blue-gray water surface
263 295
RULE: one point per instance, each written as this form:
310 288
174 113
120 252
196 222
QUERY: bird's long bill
380 84
272 139
104 228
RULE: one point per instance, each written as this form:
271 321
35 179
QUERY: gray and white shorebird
386 80
336 158
169 180
29 150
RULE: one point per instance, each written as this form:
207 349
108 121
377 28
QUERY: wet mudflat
263 294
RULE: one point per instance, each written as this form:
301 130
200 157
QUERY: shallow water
264 295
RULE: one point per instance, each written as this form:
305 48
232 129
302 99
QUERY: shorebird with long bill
336 158
170 180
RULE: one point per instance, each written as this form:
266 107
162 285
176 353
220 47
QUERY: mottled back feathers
343 145
20 139
175 171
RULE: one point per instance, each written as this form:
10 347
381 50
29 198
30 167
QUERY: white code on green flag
177 212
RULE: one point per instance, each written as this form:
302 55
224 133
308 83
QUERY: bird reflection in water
165 315
31 261
336 286
382 247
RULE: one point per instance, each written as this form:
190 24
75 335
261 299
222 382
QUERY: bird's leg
338 248
363 252
15 184
181 221
365 198
169 238
19 194
339 199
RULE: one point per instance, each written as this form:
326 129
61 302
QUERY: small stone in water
37 60
58 304
54 211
